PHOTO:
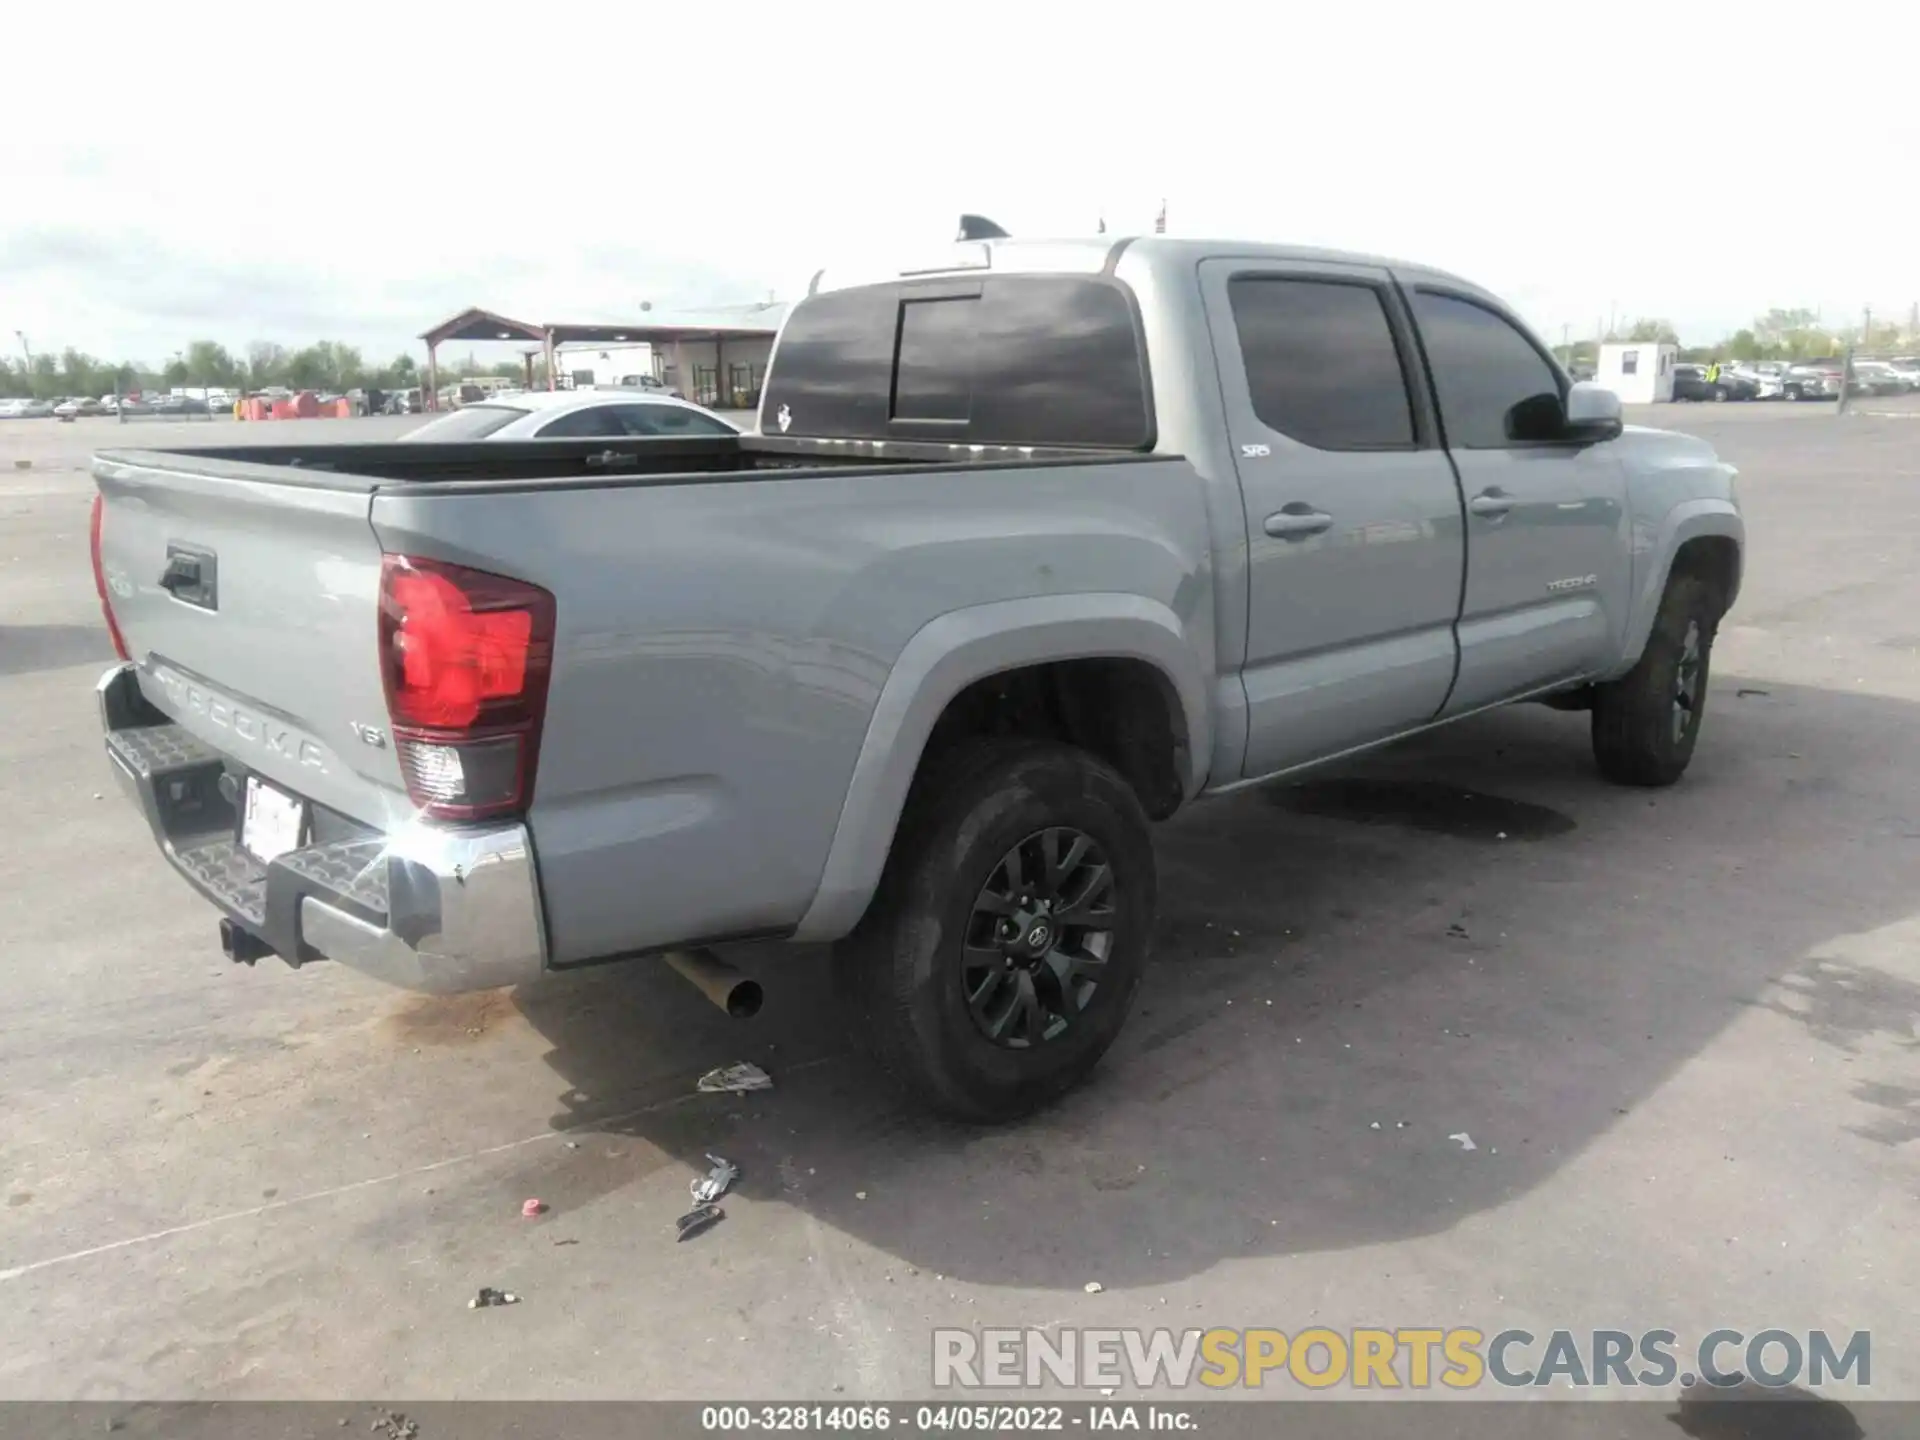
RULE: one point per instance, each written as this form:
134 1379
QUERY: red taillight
465 656
100 576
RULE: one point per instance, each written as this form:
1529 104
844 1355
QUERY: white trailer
1639 372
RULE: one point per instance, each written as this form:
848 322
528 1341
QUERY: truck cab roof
1102 254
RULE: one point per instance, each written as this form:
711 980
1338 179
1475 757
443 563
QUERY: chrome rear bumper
425 907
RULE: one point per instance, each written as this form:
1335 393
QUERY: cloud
295 178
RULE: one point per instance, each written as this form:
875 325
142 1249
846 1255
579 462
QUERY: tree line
327 365
330 365
1777 335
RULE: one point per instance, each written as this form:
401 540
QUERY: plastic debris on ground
1093 1287
489 1297
703 1217
1466 1140
394 1425
735 1079
532 1208
711 1186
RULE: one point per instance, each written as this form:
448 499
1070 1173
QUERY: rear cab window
1030 360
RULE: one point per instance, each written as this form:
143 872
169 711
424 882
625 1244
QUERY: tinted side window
1322 366
598 420
1030 360
1482 368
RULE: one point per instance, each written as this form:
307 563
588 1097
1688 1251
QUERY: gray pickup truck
1039 542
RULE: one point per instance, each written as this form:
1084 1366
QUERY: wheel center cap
1039 935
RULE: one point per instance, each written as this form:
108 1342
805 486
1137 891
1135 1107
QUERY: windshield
475 422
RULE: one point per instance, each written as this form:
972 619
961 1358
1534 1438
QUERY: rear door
251 607
1353 514
1548 549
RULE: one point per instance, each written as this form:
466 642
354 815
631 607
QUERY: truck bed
632 460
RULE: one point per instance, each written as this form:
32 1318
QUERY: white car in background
24 409
1907 368
577 414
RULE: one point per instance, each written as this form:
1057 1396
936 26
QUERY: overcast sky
168 174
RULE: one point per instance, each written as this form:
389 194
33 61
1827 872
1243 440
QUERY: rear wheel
1646 723
1001 955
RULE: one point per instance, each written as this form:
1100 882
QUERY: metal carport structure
716 328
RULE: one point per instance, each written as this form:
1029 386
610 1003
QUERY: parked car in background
1876 377
25 409
404 402
84 405
1907 367
1690 383
652 384
550 414
1766 384
1813 381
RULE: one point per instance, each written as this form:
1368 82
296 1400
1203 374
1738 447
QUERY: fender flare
950 653
1690 520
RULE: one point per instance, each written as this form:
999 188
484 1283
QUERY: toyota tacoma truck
1038 543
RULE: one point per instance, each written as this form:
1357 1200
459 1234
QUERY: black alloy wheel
1039 937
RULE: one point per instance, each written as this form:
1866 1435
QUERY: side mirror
1592 413
1589 414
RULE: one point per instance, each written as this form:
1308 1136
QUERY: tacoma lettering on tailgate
243 724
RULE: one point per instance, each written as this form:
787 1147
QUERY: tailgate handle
183 573
191 576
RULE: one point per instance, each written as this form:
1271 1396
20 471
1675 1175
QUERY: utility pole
25 349
1866 328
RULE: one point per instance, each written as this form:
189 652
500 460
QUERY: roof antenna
978 227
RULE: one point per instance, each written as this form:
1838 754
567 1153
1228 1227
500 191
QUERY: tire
1719 394
1646 723
908 968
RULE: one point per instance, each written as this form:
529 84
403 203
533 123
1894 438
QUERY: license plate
272 823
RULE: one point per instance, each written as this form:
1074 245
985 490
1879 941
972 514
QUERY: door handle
1490 503
1296 521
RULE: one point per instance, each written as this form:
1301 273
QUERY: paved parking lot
1680 1029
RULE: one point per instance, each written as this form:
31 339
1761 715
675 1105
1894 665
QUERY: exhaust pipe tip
731 990
743 1000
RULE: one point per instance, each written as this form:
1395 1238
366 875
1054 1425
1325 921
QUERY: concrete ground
1679 1027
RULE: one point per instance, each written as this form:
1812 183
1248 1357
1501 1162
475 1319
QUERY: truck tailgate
252 611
